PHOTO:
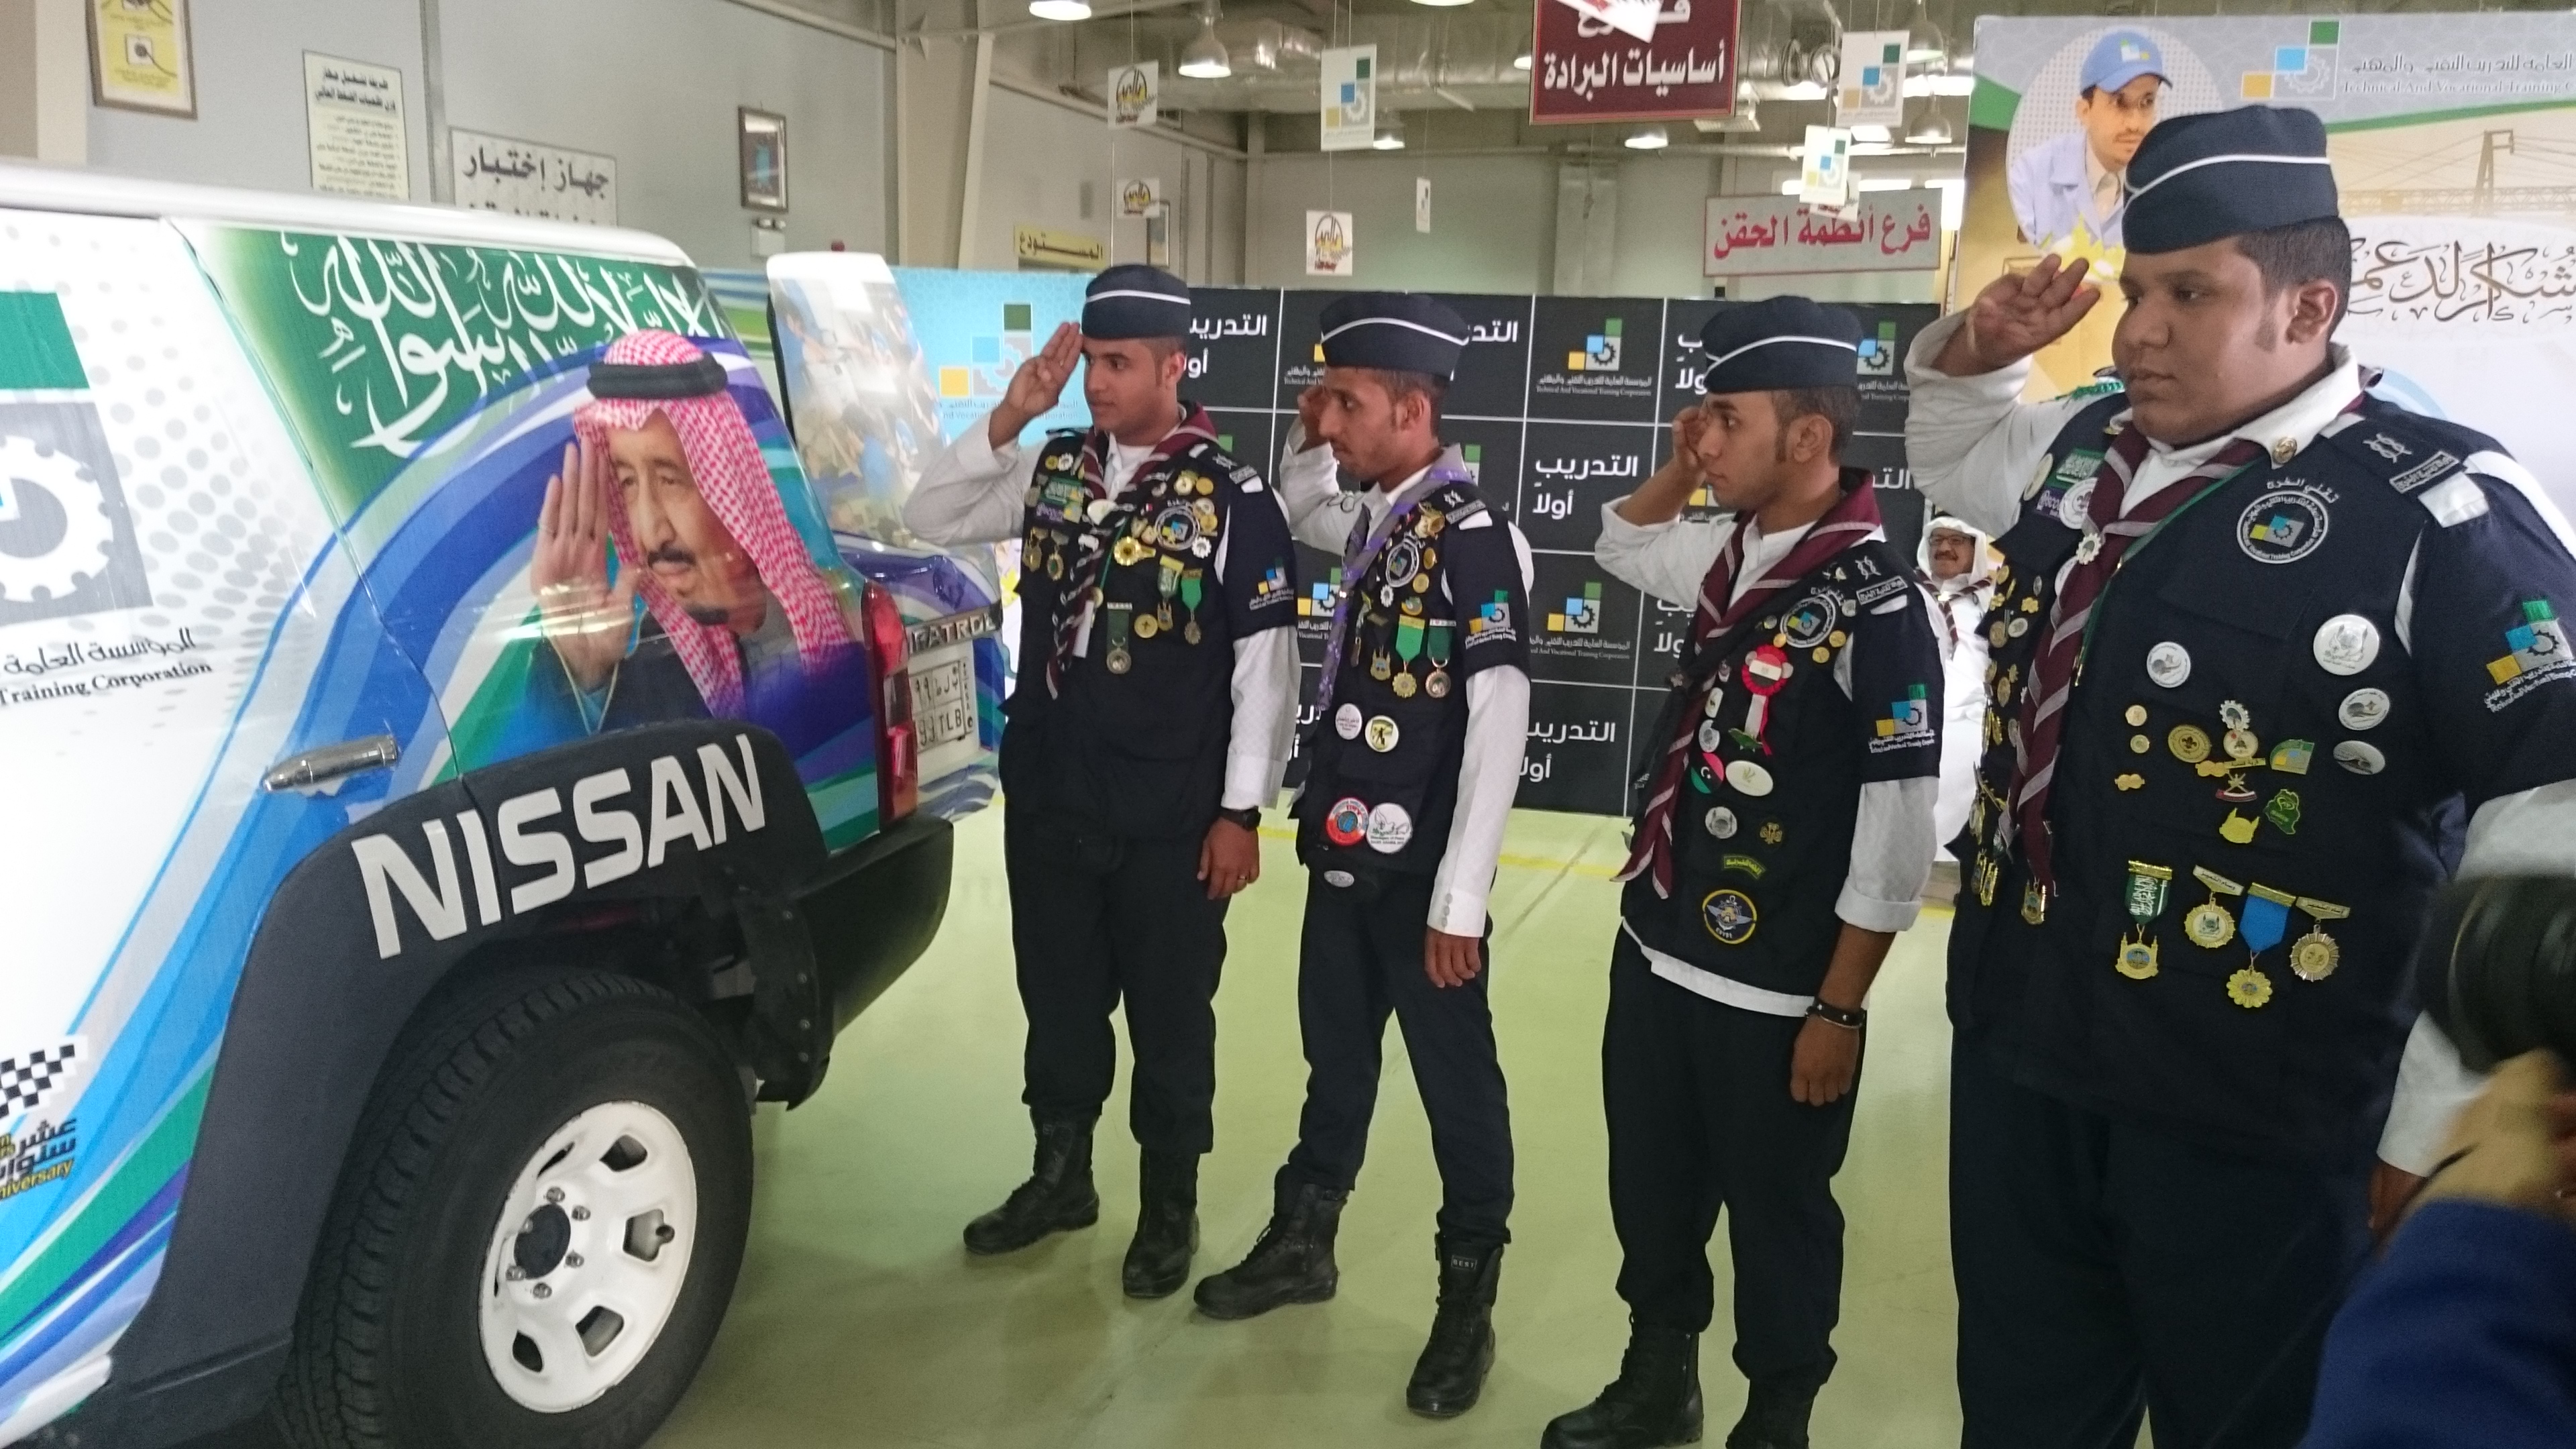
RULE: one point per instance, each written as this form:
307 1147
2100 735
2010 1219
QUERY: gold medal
2189 743
1381 665
1422 582
1996 635
1988 872
2208 925
2034 902
1404 686
1120 661
1055 566
1190 631
2314 956
1437 685
1127 551
2136 716
2249 988
1147 626
2137 960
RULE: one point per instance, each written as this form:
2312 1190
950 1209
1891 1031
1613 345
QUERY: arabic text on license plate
943 702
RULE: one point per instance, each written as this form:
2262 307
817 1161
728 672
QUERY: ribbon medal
1437 683
2314 956
1193 590
1120 661
2208 925
2148 885
2267 919
1766 673
1408 647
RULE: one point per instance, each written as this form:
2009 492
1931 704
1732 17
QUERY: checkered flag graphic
28 1080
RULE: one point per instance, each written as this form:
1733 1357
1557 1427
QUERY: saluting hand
1036 386
1451 960
2016 316
579 611
1310 413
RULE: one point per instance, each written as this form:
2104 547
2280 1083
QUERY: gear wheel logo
66 541
79 519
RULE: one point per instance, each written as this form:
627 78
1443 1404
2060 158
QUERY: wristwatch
1852 1020
1249 817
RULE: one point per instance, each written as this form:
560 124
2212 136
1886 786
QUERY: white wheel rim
587 1256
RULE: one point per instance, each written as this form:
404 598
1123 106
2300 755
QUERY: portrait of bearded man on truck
666 482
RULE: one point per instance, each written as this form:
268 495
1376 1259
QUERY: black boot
1451 1372
1774 1418
1655 1401
1057 1196
1292 1262
1167 1226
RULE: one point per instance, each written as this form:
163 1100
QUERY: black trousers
1701 1118
1361 958
1095 921
2106 1268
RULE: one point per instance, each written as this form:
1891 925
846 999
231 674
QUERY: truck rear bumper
874 909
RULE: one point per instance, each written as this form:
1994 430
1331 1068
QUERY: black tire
388 1350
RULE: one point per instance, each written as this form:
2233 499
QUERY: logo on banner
1473 454
1582 613
1134 92
1600 350
1878 354
1328 249
2305 72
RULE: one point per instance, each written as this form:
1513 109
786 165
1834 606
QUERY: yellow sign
139 56
1069 250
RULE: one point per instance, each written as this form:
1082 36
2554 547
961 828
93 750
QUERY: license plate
943 702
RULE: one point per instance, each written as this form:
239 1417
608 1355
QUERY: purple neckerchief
1362 551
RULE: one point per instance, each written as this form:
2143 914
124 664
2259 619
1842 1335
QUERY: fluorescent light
1647 138
1389 137
1803 91
1887 183
1871 133
1443 4
1521 61
1954 201
1060 9
1917 86
1791 186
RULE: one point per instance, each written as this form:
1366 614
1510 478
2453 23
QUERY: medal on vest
2314 956
1127 551
2208 925
1120 661
1167 582
1193 589
1436 684
1766 673
1408 647
2267 919
2148 885
1989 874
1147 626
1381 665
1055 560
2034 902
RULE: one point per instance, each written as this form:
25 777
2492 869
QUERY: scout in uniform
2263 642
1422 713
1156 696
1784 839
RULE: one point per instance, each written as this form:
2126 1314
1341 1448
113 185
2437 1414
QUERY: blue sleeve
1260 583
2464 1335
2489 642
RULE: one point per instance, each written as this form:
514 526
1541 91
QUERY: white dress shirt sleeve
1971 441
1893 842
2531 832
1668 560
970 492
1265 718
1489 777
1320 514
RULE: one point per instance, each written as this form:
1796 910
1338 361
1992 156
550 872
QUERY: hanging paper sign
1628 17
1328 244
1422 203
1584 68
1350 97
1870 90
1135 94
1138 196
1824 172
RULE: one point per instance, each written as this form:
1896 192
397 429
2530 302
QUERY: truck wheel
538 1229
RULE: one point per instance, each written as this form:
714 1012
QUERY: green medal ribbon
1441 630
1408 639
1120 616
1192 590
1168 581
2147 887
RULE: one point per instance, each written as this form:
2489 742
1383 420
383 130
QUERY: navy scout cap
2198 178
1396 331
1135 300
1780 343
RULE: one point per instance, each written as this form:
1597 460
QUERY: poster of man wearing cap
2067 190
2263 642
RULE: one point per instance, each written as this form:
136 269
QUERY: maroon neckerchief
1853 517
1090 556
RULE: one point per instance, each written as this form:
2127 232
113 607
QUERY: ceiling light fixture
1389 137
1060 9
1205 57
1748 112
1647 138
1924 46
1443 4
1930 128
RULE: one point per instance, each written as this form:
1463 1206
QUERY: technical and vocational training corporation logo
1492 621
2536 653
1318 602
1878 354
2283 526
1908 722
1582 614
1600 351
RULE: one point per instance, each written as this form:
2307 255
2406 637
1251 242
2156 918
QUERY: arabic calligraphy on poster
495 173
2445 272
1584 69
1889 232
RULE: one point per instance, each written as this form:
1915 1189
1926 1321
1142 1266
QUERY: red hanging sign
1583 70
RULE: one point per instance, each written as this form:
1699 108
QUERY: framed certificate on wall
140 58
764 159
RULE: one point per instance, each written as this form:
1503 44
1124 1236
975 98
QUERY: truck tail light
898 748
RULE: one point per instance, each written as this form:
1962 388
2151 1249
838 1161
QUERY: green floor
861 1321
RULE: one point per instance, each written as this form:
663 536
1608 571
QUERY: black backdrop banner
1561 404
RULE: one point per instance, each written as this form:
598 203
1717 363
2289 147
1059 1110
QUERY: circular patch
2363 709
2136 715
2189 743
1340 878
2018 627
1748 778
1810 621
1721 822
1389 828
2169 664
2283 526
1382 733
2075 503
1767 670
1346 721
1176 527
1403 560
1347 822
1730 916
2140 744
2345 644
1201 548
1709 736
2361 757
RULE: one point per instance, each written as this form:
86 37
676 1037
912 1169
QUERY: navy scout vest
2247 814
1135 743
1762 831
1382 787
